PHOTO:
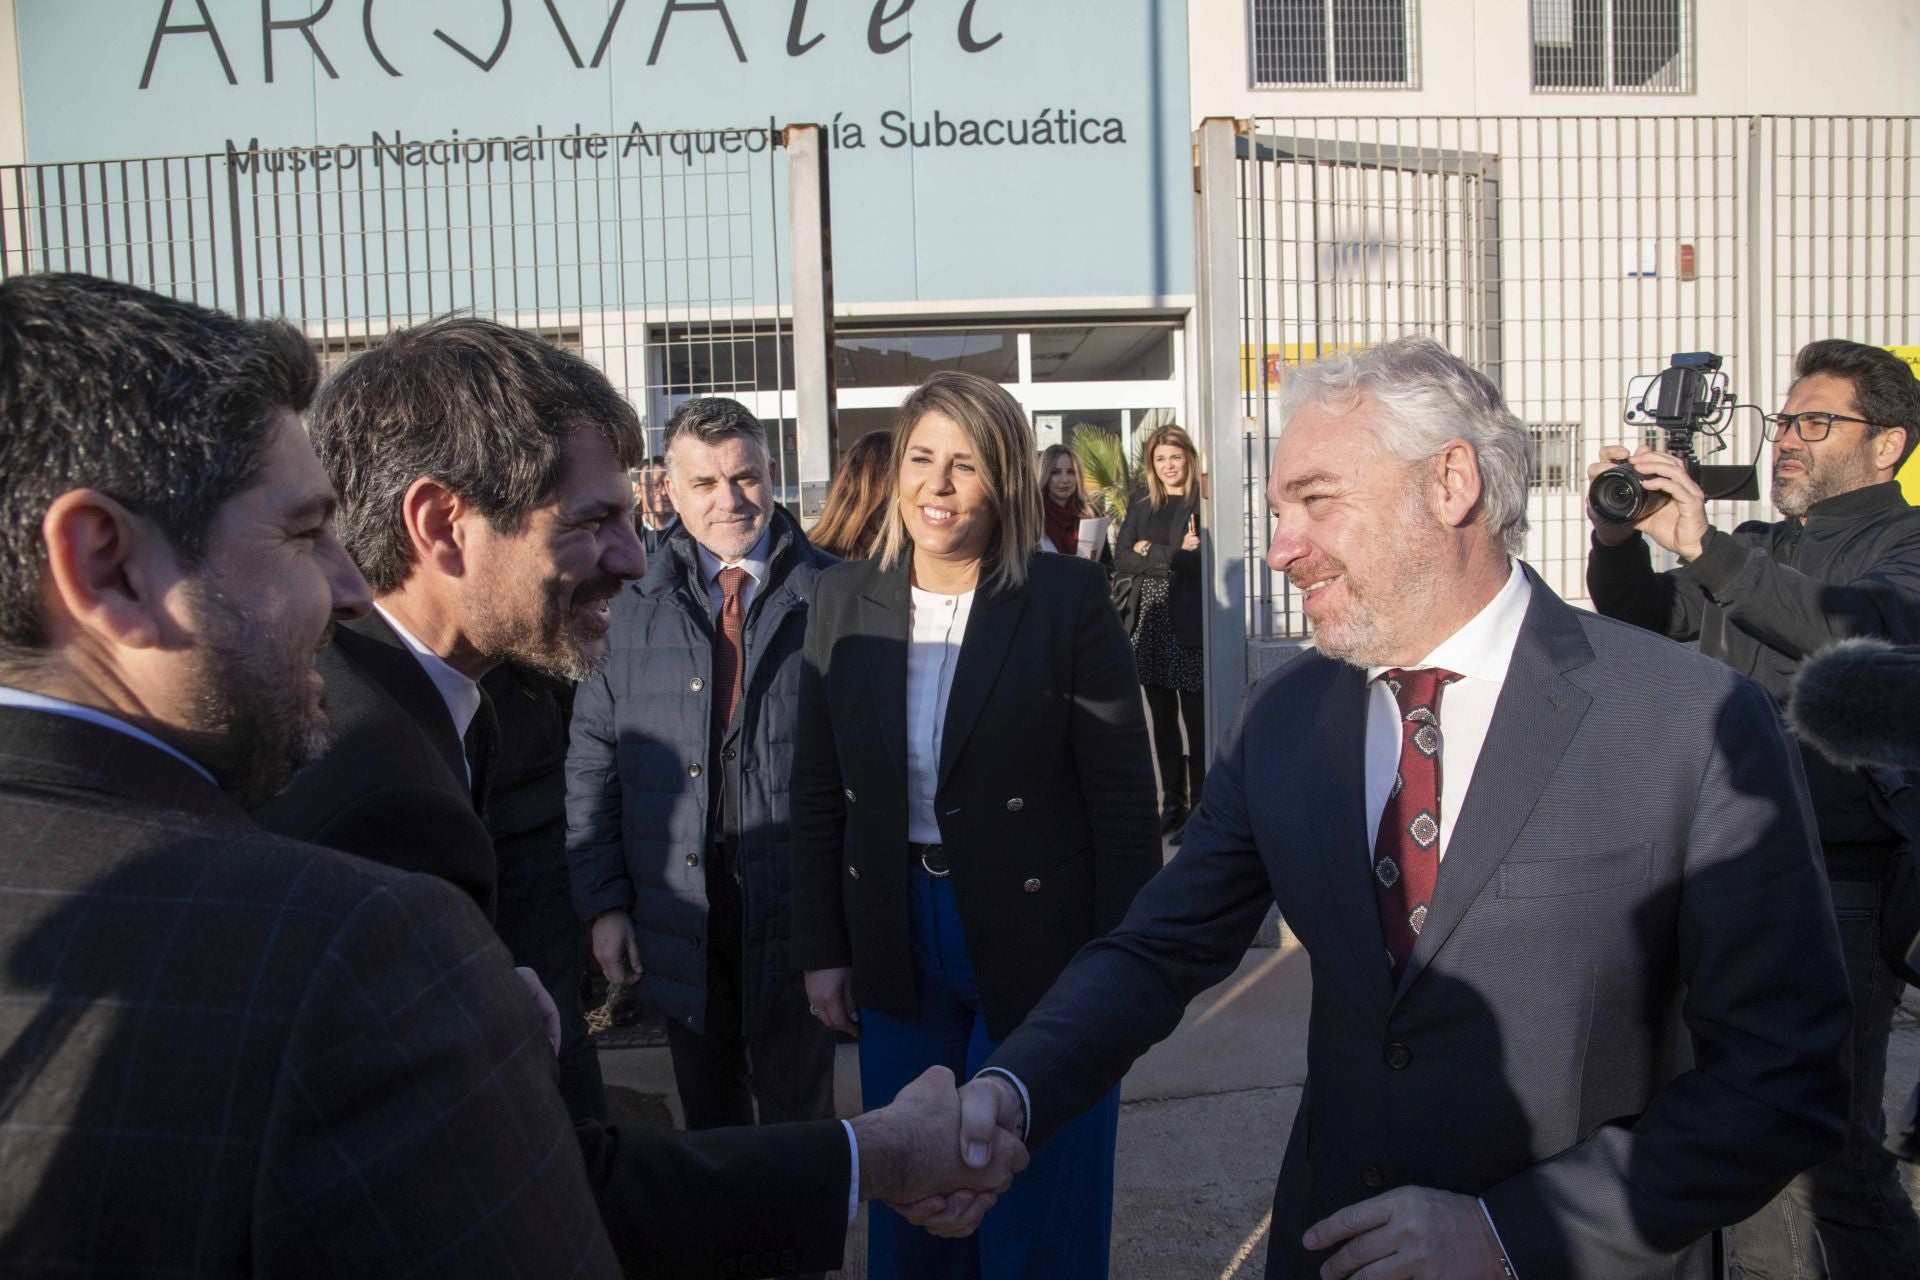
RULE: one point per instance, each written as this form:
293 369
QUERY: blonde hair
1001 441
1043 472
1168 436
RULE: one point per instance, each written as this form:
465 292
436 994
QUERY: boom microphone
1858 702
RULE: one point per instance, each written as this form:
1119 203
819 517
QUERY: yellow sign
1264 368
1909 476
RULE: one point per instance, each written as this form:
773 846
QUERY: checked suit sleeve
415 1128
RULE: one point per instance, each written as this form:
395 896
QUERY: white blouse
936 628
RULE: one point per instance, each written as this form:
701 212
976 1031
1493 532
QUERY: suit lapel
883 626
990 629
388 662
1534 721
1334 867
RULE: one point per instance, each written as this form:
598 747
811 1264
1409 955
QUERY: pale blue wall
911 225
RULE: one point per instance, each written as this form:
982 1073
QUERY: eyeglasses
1811 426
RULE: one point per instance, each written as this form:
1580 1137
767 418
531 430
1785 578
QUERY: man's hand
615 947
1679 525
543 1001
989 1105
830 999
909 1157
1409 1233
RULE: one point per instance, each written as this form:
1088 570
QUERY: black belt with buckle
933 857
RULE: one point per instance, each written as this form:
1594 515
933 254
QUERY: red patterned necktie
728 665
1406 852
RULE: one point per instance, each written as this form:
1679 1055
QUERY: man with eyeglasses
1845 561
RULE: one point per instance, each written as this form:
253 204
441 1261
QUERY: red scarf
1063 524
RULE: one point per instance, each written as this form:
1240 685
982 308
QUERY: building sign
979 149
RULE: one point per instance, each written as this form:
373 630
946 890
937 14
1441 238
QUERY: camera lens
1617 495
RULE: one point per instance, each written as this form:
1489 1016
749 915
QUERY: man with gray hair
677 783
1514 939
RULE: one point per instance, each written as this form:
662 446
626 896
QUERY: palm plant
1108 467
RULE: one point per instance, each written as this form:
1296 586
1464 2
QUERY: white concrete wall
13 119
1751 57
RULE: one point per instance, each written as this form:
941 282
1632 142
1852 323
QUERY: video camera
1688 397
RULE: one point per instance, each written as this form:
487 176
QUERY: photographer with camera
1845 561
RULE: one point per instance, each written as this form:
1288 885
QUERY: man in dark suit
221 1052
483 495
1577 994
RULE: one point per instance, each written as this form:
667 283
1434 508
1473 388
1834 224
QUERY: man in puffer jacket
677 783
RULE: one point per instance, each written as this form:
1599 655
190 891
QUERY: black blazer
227 1053
1165 527
394 786
1045 798
1622 1023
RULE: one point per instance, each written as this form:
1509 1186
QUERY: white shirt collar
754 562
1483 648
10 697
461 695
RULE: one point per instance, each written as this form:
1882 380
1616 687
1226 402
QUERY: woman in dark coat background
1159 545
972 801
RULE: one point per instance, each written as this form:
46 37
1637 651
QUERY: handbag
1125 601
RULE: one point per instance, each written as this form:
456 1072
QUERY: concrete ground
1203 1122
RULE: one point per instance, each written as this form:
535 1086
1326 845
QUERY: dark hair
1885 390
857 498
711 419
164 406
476 406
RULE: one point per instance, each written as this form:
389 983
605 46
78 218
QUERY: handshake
940 1156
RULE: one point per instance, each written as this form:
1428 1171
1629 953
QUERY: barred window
1335 44
1555 448
1613 46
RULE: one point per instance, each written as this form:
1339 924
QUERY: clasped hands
940 1157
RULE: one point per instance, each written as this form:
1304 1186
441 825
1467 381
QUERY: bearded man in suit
213 1055
1577 992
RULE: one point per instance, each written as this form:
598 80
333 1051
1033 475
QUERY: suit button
1031 886
696 684
1016 804
693 859
693 943
728 754
850 796
1398 1056
1372 1177
854 872
693 771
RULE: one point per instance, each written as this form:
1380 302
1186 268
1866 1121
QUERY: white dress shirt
11 697
937 626
461 695
756 562
1478 653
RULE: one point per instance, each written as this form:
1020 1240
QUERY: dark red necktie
729 665
1406 852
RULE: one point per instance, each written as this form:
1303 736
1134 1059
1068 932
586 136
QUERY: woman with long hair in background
857 498
1063 495
1159 545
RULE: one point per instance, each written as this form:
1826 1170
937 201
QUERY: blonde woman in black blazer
972 801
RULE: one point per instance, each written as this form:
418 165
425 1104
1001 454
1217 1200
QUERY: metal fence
1562 256
660 257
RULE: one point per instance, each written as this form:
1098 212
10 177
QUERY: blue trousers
1057 1219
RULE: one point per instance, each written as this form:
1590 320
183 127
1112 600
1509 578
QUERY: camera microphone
1858 702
